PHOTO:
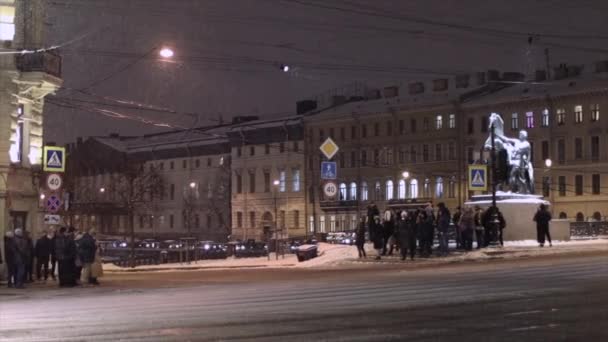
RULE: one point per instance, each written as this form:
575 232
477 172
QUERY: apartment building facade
25 79
192 201
268 179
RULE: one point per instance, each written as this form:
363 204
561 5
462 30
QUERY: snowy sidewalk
335 256
511 250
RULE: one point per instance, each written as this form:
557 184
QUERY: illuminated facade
25 80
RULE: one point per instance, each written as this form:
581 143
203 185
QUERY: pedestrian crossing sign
54 159
478 177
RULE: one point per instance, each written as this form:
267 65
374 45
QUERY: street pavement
551 299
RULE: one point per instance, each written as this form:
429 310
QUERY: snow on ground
331 255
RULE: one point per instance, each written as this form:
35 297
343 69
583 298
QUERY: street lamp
166 53
102 190
405 175
548 162
192 185
276 228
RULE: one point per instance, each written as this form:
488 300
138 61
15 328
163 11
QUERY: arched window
364 196
563 215
439 188
401 190
389 190
378 191
580 217
342 191
414 188
597 216
427 188
353 191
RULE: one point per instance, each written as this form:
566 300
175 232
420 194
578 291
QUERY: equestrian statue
513 165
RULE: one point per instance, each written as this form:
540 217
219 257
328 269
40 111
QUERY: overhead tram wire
425 21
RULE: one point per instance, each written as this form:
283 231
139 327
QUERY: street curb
136 270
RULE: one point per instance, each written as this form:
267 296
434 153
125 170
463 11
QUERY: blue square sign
53 159
329 170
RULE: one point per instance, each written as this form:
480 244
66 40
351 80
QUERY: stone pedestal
518 211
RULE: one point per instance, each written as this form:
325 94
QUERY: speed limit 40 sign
54 182
330 189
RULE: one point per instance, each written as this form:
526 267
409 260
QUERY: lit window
561 116
296 180
364 195
545 118
353 191
439 188
578 114
530 120
378 191
595 112
514 121
389 190
439 122
452 123
322 224
342 191
401 190
7 22
414 188
282 181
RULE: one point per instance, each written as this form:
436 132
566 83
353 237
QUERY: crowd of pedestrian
69 255
413 232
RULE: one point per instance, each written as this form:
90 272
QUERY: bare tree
134 189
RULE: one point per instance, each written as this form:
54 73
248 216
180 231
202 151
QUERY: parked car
212 250
348 238
171 244
250 249
149 244
120 244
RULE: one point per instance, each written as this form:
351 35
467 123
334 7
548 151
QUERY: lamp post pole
494 218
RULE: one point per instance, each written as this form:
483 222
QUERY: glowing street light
192 185
405 174
285 67
42 196
548 162
166 53
276 183
102 190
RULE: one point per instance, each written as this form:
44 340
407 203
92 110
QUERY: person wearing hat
478 220
86 253
9 253
542 219
22 257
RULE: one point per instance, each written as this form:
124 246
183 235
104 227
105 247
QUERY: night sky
229 52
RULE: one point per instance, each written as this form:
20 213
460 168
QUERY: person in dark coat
388 225
455 220
65 251
43 251
426 230
9 253
360 238
443 225
406 235
466 226
488 225
29 265
22 257
542 219
377 236
86 253
53 233
477 218
372 212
